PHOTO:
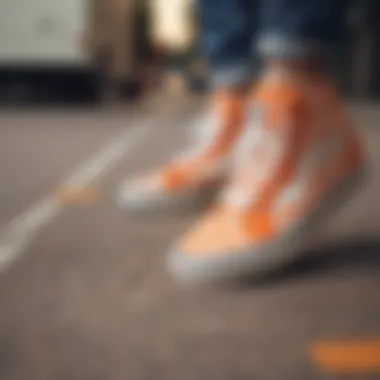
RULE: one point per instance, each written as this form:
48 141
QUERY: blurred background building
114 49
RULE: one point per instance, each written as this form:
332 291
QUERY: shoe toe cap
135 194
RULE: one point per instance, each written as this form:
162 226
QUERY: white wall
45 32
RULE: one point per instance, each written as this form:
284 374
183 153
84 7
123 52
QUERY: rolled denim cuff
277 46
237 76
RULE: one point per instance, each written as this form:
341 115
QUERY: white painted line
17 235
15 238
112 153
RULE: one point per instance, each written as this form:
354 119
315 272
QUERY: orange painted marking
77 195
355 356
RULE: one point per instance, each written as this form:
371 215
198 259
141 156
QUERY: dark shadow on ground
340 256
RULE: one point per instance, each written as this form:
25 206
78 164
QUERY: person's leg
300 30
226 33
299 156
227 28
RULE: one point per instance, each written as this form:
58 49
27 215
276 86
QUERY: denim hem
276 46
234 76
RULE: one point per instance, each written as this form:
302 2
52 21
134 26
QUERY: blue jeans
233 32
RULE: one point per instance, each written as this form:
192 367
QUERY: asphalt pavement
84 294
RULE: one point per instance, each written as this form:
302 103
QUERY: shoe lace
202 133
257 156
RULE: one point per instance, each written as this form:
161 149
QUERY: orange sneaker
192 178
299 158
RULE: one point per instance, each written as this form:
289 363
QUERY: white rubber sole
159 203
262 259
